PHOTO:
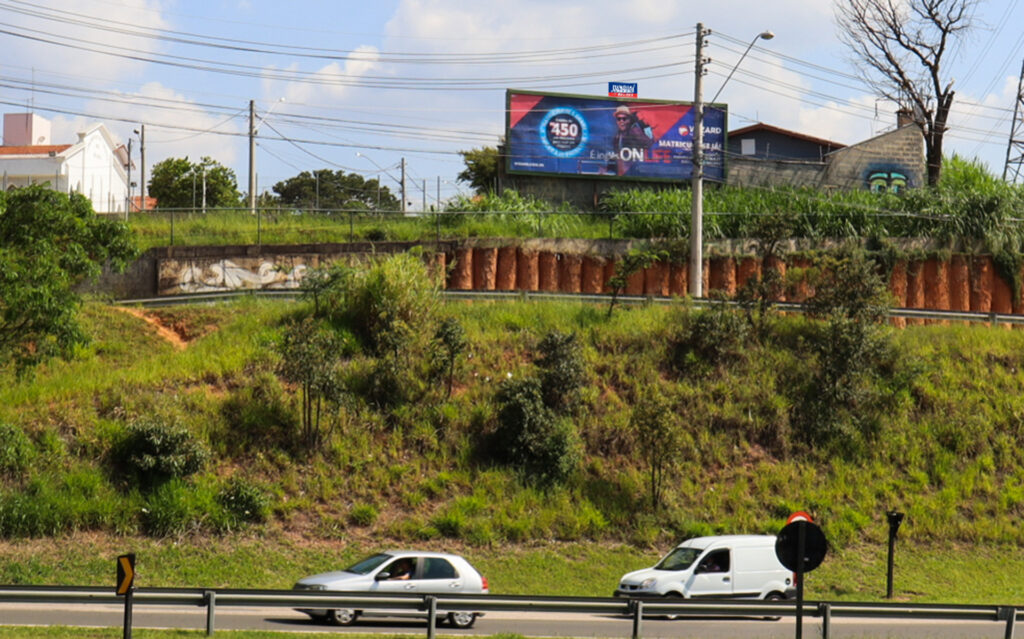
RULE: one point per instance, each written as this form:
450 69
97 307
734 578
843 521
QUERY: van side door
712 577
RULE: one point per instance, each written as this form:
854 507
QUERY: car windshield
679 559
368 565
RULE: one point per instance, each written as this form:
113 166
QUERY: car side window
438 568
402 568
717 561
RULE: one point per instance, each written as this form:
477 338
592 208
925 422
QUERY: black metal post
128 613
895 518
801 544
638 615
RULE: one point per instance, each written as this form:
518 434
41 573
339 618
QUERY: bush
243 502
171 510
258 416
16 451
363 514
562 370
712 338
153 453
530 437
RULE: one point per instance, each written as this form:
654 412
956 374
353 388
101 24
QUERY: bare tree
898 46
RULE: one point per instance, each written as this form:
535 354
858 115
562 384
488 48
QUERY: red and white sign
799 516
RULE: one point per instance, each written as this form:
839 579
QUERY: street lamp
697 209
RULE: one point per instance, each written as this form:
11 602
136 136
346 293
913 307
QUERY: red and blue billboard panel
597 136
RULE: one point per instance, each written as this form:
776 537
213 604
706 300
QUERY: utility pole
403 186
128 203
424 195
1015 163
697 209
252 159
142 168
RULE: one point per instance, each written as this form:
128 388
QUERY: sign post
801 547
125 587
895 519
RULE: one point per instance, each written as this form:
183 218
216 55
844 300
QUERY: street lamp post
697 209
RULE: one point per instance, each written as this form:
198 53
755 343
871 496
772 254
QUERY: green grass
415 476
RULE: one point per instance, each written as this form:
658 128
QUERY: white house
95 166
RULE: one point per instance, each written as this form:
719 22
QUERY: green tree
481 170
177 183
660 440
335 190
450 342
49 243
310 358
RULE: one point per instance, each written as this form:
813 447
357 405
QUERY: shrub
530 437
171 510
258 415
363 514
243 502
154 452
712 338
562 370
16 451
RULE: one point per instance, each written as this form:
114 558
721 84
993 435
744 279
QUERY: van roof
734 540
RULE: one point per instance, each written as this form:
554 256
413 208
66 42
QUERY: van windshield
679 559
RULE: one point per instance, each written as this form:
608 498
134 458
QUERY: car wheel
343 616
461 619
774 596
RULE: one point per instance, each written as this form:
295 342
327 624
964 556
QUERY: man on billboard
631 140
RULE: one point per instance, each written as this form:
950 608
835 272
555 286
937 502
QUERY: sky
360 86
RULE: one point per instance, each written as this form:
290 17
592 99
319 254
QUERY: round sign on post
787 545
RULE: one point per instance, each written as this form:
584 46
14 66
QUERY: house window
748 146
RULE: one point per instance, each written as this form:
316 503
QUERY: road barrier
434 607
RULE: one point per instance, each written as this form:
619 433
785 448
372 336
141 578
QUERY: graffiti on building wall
888 178
227 275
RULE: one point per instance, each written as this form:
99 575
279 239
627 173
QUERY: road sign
801 538
799 516
125 573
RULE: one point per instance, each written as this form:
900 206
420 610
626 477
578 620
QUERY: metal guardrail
788 307
435 606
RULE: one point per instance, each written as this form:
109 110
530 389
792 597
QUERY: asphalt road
527 624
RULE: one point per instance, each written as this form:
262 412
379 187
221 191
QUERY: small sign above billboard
622 90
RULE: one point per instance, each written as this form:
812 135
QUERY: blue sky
358 86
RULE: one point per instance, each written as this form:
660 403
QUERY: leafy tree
310 357
843 402
899 47
49 242
335 190
481 170
562 370
177 183
450 342
660 440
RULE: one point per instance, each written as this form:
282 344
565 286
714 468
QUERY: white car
399 571
727 566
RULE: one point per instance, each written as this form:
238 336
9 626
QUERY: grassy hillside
934 430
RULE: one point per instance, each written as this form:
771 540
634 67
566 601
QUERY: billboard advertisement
606 137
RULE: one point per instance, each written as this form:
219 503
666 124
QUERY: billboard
557 134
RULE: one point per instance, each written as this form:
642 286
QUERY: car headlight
648 583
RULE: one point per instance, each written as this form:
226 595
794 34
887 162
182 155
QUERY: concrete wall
964 281
760 172
890 161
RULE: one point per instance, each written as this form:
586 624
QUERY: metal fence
433 607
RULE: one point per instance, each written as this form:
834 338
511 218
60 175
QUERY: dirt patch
165 332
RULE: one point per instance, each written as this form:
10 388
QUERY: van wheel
774 596
672 597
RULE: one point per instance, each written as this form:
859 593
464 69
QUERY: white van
733 566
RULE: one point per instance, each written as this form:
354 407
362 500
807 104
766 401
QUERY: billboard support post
697 208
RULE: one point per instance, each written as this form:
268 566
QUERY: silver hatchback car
399 571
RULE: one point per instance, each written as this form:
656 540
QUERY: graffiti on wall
888 178
210 276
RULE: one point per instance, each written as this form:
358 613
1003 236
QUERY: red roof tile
43 149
